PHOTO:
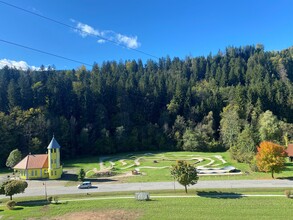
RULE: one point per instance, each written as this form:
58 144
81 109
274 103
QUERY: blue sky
157 27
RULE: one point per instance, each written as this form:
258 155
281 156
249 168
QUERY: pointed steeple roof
53 144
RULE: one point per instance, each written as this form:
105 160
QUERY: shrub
288 193
56 199
10 204
81 174
253 165
49 199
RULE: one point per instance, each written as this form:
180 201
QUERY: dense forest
231 100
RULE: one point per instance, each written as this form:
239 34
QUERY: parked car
85 185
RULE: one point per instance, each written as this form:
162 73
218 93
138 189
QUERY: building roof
53 144
290 150
33 162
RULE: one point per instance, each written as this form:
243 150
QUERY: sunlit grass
87 163
166 159
206 206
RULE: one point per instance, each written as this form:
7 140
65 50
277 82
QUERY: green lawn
203 207
88 164
163 160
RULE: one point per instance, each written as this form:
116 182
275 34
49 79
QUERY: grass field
155 166
88 163
205 206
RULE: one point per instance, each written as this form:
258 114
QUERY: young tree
269 127
244 149
184 173
12 187
81 174
13 158
270 157
230 125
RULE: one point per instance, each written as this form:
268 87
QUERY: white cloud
101 41
130 42
86 30
21 65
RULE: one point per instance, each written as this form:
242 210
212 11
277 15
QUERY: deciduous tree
245 147
12 187
13 158
269 127
270 157
230 125
184 173
193 140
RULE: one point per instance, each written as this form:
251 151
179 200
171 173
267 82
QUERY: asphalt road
37 188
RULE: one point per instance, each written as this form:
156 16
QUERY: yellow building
40 166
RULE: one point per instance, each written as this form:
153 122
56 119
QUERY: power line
150 98
44 52
75 28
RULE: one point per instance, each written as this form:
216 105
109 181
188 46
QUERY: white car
85 185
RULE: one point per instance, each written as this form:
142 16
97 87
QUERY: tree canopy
11 187
13 158
184 173
204 103
270 157
81 174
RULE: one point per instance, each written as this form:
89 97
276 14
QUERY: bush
241 156
81 174
10 204
49 199
253 165
56 199
288 193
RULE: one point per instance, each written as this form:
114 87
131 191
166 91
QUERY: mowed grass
165 208
161 161
88 164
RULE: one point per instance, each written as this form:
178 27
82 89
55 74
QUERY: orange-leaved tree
270 157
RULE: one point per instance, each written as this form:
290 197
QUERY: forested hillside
232 100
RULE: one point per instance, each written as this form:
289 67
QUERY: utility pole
46 197
174 183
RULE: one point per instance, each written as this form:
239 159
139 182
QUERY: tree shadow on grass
100 180
148 200
219 195
285 178
31 203
73 178
17 208
69 176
